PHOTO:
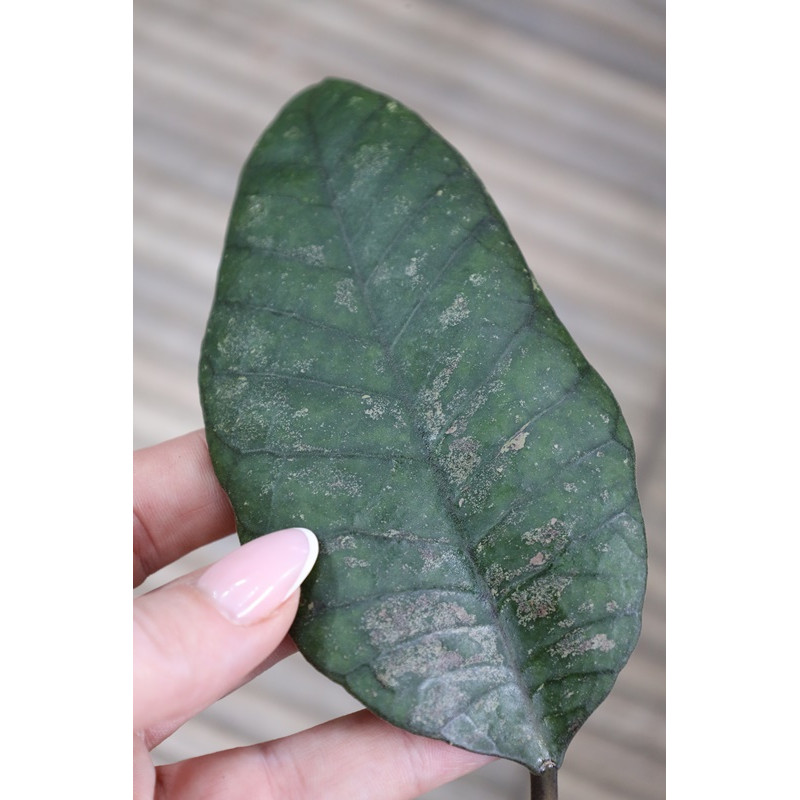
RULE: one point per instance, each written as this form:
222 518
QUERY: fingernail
251 582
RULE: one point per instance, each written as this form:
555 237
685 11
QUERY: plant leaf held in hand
381 367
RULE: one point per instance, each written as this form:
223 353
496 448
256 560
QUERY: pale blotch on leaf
343 484
346 542
346 295
455 313
553 533
402 618
575 645
429 399
433 657
313 253
540 599
462 459
516 442
375 409
352 563
412 270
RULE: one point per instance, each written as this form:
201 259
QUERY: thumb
196 638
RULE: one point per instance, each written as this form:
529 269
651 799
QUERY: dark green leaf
381 367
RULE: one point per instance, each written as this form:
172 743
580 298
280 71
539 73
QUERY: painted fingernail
251 582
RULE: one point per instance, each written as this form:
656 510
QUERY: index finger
178 504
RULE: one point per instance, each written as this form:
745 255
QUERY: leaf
381 367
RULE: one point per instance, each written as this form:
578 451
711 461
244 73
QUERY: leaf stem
545 786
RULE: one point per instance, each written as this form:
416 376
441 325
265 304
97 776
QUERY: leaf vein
428 635
401 536
389 181
470 237
489 465
239 242
359 390
439 479
366 600
278 312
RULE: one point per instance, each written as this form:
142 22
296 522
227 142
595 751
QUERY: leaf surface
381 367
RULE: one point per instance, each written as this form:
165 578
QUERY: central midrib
406 398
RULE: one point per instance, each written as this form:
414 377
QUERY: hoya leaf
381 367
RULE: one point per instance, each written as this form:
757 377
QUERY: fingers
199 637
355 757
178 503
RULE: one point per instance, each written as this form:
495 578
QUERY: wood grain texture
559 107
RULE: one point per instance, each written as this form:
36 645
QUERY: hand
209 632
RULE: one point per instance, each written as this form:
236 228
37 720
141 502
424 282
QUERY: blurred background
559 106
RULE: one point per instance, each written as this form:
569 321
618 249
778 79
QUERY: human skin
209 632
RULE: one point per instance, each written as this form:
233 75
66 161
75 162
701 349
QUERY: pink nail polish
251 582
